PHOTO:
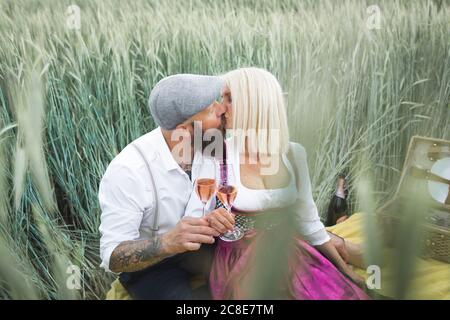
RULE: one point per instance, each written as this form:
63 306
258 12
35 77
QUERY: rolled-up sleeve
122 198
310 225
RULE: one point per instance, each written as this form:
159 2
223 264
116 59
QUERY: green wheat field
72 99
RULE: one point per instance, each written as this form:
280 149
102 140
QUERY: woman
272 180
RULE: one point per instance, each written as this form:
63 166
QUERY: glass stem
203 214
229 212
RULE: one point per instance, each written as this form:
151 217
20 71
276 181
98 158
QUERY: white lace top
256 200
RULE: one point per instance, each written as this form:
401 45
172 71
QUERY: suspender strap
155 195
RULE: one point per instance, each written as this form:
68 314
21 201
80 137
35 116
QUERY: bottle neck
340 188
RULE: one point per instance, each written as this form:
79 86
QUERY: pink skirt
308 275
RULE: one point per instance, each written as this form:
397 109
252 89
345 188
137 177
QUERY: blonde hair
259 114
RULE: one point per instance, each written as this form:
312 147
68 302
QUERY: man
144 191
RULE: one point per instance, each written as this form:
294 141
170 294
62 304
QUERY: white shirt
126 194
309 224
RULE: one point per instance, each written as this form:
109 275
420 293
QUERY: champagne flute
227 193
205 184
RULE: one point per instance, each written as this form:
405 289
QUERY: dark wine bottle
337 208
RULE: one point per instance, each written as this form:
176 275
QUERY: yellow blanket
431 279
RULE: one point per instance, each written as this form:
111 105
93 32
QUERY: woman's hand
339 244
329 250
356 278
220 220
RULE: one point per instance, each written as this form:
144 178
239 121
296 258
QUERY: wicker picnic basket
425 171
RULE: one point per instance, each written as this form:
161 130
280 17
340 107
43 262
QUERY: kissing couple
236 213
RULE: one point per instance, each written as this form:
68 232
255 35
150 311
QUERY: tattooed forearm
132 256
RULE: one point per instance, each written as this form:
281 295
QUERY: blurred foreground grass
71 100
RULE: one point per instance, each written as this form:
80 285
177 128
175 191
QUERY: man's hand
188 235
220 220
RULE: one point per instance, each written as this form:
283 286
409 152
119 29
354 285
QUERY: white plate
439 190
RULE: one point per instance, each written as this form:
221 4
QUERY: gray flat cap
176 98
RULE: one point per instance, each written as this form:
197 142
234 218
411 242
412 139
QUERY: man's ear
184 127
181 126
